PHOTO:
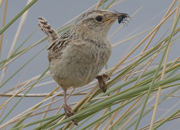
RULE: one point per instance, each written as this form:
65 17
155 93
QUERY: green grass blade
19 122
17 16
11 77
22 67
153 81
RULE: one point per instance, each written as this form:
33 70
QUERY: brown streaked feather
48 30
57 43
55 50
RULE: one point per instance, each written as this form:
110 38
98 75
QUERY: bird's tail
48 30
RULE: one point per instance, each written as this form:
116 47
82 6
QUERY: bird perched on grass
77 57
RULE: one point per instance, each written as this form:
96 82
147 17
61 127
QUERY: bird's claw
69 112
102 81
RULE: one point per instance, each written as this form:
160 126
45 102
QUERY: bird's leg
68 111
102 81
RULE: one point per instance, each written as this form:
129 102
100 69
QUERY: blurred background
57 13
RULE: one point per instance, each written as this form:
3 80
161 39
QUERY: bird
77 56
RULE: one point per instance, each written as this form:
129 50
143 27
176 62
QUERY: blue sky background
57 13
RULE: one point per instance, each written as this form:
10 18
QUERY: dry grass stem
15 40
164 67
149 63
118 64
129 72
31 109
135 114
37 95
32 79
130 38
155 123
97 5
116 3
169 109
47 108
124 23
159 27
1 3
3 23
14 95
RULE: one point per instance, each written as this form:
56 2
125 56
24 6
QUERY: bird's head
99 21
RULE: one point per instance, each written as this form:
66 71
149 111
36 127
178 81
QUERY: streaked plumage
77 57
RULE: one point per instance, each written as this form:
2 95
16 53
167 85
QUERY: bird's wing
56 48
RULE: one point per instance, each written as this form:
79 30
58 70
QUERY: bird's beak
116 15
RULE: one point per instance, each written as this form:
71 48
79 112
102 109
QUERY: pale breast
80 63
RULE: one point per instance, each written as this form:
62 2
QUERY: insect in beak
120 19
121 16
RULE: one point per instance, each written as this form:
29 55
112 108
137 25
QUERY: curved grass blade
17 16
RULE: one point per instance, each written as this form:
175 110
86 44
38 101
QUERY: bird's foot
102 81
69 112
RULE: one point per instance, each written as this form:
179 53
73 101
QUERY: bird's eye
99 18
